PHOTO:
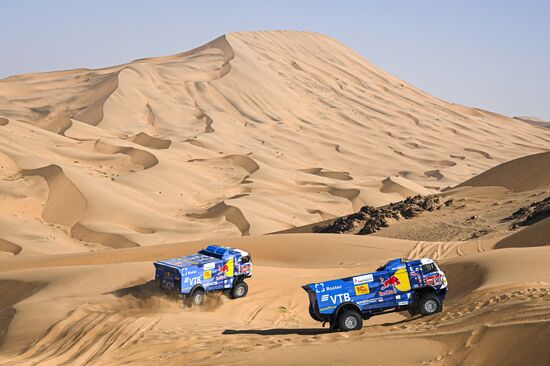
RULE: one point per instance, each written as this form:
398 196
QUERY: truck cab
215 268
418 286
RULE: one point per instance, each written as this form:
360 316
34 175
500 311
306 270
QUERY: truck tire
429 304
240 290
350 320
197 298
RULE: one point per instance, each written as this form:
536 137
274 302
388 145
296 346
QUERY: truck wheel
350 320
240 290
197 298
429 304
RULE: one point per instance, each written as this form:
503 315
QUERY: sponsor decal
399 280
320 288
208 274
367 301
362 290
335 299
402 303
192 280
385 293
362 279
393 280
327 308
434 280
210 265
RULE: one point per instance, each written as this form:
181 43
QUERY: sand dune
139 157
144 139
321 114
521 174
61 192
533 236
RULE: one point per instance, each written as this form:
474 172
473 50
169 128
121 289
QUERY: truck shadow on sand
306 331
280 331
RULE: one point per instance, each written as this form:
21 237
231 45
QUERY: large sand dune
104 171
248 134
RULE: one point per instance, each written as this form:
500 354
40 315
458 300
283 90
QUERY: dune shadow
280 331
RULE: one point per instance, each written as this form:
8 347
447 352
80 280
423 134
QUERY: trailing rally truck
215 268
418 286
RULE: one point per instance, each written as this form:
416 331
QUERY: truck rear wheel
197 298
240 290
429 304
350 320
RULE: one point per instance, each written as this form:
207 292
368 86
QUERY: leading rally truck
418 286
215 268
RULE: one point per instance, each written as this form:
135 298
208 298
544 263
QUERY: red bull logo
223 269
392 281
228 268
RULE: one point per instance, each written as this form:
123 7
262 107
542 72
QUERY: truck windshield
429 268
210 254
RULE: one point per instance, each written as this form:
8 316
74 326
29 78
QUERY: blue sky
489 54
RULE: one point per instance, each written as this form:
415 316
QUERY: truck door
400 281
387 289
225 273
374 291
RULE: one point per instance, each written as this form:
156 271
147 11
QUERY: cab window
429 268
245 259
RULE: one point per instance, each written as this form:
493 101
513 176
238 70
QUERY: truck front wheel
240 290
350 320
429 304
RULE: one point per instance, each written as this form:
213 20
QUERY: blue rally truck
215 268
418 286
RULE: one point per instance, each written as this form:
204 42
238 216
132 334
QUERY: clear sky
489 54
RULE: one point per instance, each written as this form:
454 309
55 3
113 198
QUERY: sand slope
250 133
110 313
519 175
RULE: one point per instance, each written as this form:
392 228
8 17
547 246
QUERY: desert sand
104 171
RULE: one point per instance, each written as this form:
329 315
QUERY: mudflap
334 324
